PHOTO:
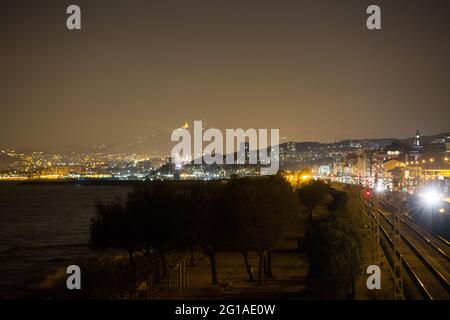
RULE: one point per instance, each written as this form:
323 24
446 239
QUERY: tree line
159 217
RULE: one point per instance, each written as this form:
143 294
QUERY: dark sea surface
43 226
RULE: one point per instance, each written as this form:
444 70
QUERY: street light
305 177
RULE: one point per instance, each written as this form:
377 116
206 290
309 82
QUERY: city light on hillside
225 158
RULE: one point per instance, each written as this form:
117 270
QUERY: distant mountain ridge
159 145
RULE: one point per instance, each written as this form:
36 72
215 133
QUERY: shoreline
87 182
47 284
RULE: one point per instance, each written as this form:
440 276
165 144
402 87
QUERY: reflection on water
43 226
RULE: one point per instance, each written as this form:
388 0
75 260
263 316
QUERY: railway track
425 255
437 242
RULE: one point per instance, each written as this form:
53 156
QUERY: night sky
309 68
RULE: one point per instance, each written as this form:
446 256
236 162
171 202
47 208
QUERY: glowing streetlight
305 177
441 210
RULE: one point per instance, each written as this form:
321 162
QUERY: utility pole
180 277
182 281
184 274
397 257
376 232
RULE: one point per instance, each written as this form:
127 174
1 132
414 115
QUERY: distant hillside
304 146
426 139
159 144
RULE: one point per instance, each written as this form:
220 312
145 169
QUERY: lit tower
417 138
184 158
416 148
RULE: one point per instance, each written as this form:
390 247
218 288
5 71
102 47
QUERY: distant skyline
142 68
156 147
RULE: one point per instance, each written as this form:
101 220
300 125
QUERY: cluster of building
406 165
50 166
395 166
